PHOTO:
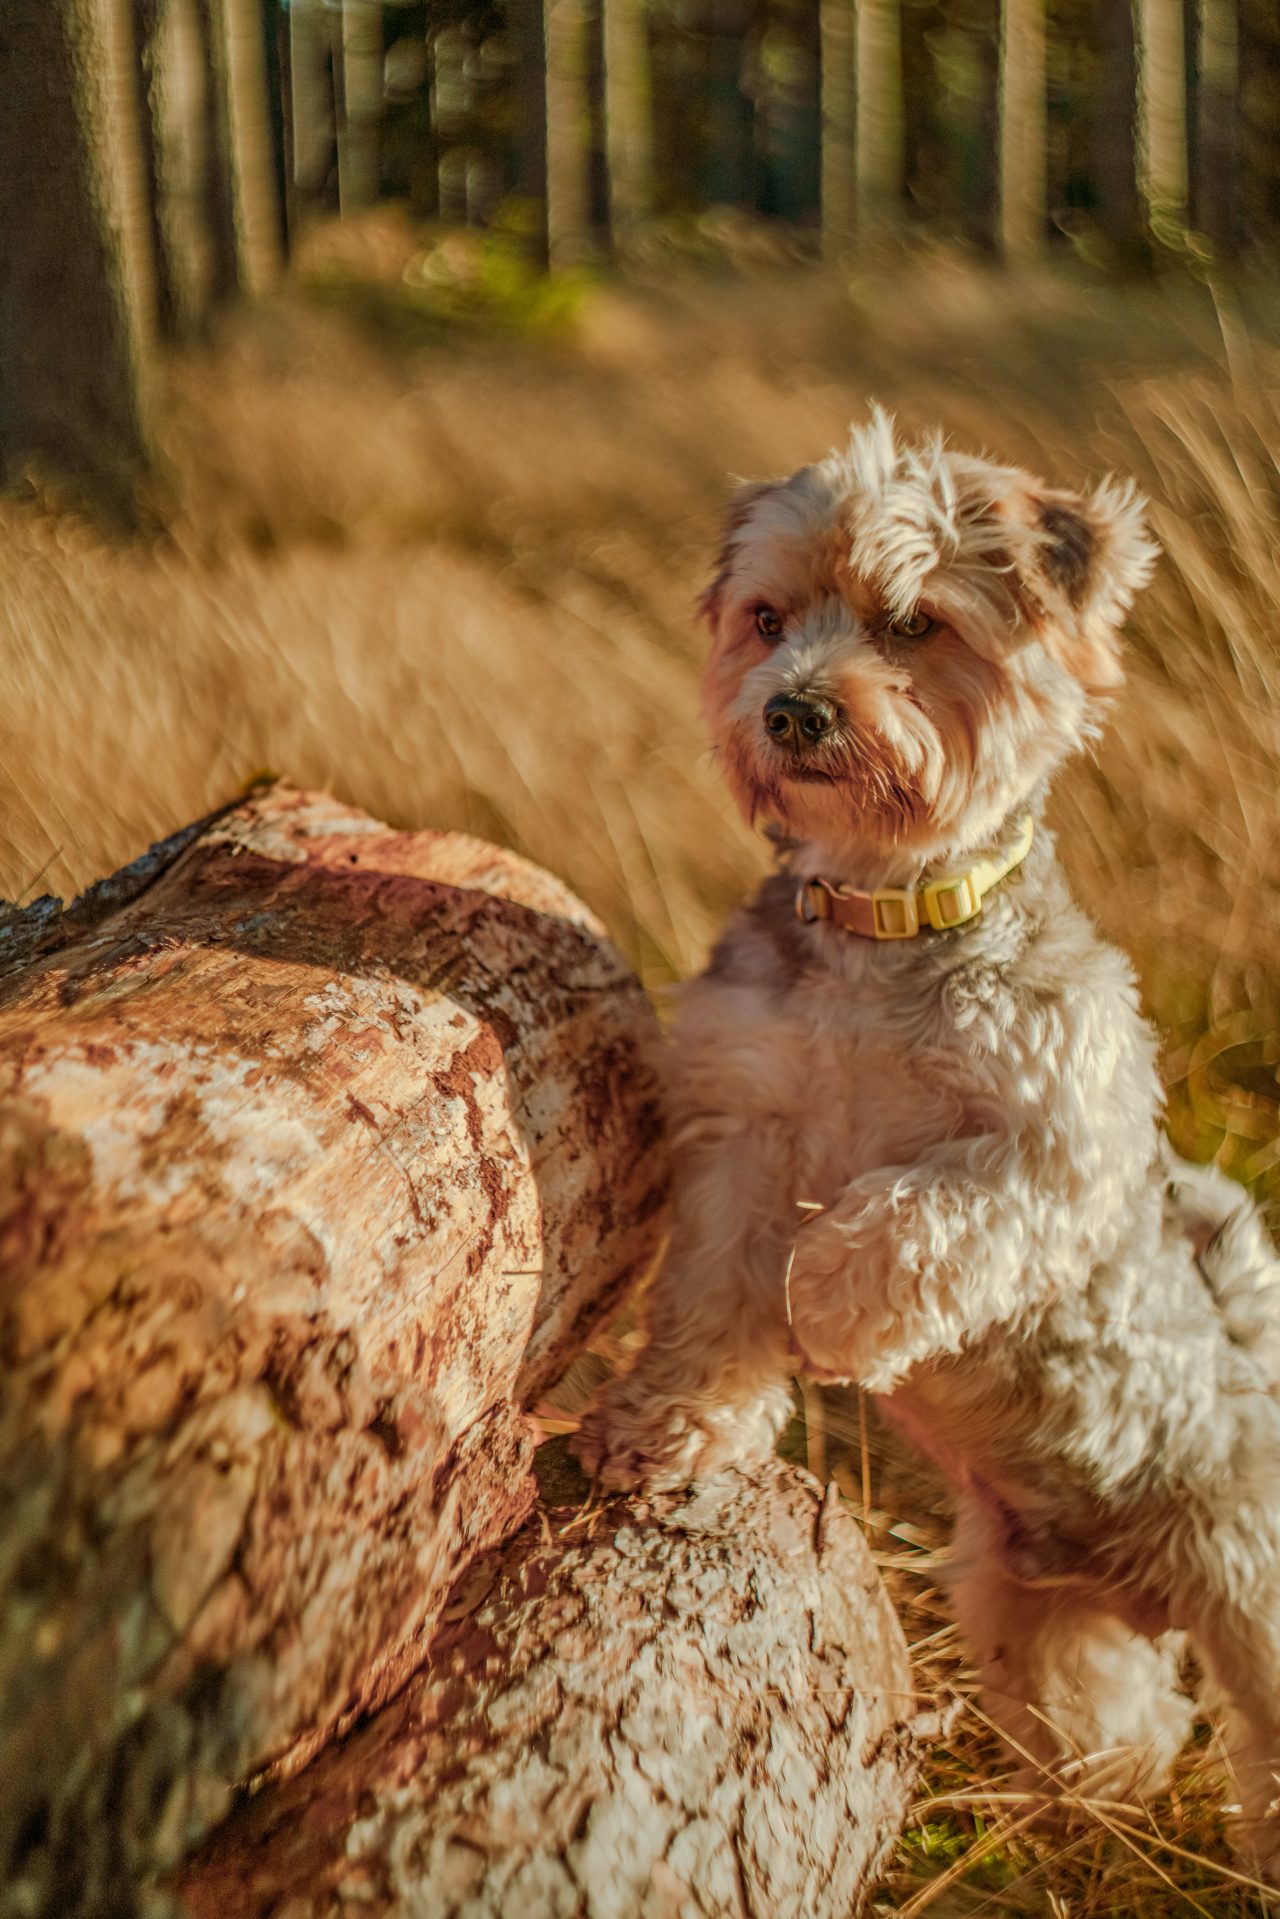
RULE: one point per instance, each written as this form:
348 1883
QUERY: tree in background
359 122
311 101
179 122
156 153
1259 130
627 116
138 185
247 157
1022 128
1112 157
1162 115
879 128
77 277
839 123
568 182
1217 80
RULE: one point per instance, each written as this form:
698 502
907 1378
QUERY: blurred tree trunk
1162 115
839 124
241 182
628 140
310 96
1115 149
219 199
77 278
178 83
725 168
1216 75
529 80
1259 110
791 89
568 187
360 126
141 58
254 181
879 133
1023 128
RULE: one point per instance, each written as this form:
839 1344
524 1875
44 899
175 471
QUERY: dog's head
907 641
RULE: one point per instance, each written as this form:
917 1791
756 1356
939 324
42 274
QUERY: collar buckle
951 902
895 912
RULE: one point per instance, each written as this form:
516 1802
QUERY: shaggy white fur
935 1166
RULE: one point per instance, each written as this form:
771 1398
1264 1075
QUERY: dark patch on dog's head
1068 558
740 509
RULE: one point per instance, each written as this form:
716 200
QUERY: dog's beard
895 775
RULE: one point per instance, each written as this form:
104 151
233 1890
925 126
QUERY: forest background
370 378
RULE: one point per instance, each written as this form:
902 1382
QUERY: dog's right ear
741 507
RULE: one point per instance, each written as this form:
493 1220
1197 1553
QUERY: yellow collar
899 913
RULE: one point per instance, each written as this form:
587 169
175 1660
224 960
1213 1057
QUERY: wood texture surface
696 1706
319 1158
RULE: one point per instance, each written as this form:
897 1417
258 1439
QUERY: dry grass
454 583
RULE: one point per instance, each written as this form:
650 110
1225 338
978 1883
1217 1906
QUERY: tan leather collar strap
899 913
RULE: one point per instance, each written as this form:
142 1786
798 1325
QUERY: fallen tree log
696 1706
322 1149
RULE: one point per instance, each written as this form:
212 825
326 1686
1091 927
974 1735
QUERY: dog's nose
799 719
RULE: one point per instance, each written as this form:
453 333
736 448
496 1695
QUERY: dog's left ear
739 511
1087 557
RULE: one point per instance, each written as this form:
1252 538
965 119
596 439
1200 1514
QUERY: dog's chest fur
876 1053
856 1059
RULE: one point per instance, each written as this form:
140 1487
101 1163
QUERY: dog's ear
740 509
1086 559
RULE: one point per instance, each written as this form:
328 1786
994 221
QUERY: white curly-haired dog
914 1113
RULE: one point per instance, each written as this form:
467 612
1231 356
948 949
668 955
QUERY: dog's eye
912 626
768 623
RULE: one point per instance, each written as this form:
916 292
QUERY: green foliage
491 279
477 281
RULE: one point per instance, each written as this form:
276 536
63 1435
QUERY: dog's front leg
711 1386
909 1264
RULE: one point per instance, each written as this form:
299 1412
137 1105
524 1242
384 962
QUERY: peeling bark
322 1149
694 1705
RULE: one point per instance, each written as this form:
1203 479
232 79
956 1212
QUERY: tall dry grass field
453 580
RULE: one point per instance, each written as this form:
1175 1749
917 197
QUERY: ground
449 571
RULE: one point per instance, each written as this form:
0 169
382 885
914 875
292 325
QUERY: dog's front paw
655 1446
824 1330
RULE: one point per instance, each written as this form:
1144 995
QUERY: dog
915 1122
